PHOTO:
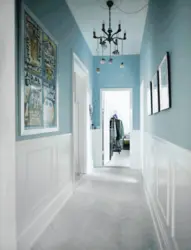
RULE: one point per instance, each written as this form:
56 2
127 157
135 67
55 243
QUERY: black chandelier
108 35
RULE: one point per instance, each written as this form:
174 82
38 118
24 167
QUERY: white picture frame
43 127
164 83
155 93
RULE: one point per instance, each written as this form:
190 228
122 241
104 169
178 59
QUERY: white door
107 117
80 126
89 136
76 163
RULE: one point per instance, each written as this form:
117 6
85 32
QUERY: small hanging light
110 60
102 61
122 65
98 70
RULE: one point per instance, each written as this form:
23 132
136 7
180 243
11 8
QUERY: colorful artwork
155 94
164 83
49 105
32 100
33 46
49 49
39 87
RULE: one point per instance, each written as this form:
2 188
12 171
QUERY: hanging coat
120 129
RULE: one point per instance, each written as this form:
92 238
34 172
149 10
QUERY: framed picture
38 77
155 93
164 83
149 99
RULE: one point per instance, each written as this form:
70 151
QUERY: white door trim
79 68
8 219
102 90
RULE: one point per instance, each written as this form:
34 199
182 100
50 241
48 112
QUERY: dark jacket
120 129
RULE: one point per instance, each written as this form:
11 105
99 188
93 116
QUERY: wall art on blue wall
155 93
164 83
38 85
149 98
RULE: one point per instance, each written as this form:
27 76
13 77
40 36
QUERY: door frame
79 68
102 90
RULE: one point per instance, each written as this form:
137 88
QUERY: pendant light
98 69
110 59
122 64
102 61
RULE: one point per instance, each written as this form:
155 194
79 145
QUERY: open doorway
116 123
82 149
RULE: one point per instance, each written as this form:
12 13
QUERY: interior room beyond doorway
116 127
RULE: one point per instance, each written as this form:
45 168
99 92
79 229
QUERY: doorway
116 126
82 149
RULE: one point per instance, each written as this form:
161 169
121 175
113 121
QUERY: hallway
107 211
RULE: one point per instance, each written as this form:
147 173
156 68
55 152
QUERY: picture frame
165 83
39 92
149 99
155 93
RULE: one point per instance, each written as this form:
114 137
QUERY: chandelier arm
105 32
103 42
120 38
113 40
99 37
117 32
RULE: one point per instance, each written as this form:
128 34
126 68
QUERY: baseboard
33 232
164 239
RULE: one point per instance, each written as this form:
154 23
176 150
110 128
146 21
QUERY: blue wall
168 29
112 76
58 20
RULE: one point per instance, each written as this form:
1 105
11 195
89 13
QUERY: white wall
97 147
167 176
82 99
44 182
7 126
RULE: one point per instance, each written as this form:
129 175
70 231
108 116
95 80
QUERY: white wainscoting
167 177
44 182
97 147
135 150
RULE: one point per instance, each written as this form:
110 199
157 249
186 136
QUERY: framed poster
164 83
155 93
149 99
38 77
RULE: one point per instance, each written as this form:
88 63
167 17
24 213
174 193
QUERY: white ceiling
89 14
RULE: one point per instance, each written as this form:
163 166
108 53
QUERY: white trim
101 106
79 67
33 131
153 217
28 238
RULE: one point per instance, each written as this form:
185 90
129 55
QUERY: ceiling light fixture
110 60
98 70
122 65
109 36
102 61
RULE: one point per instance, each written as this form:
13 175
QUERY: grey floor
107 212
120 160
